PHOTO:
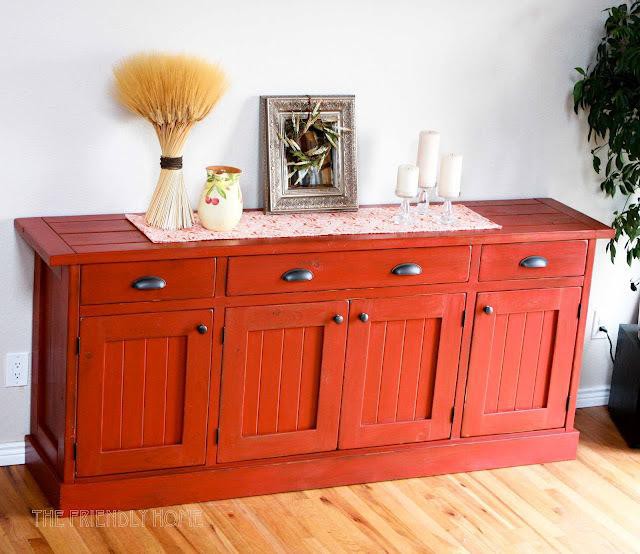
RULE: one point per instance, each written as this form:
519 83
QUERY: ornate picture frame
320 173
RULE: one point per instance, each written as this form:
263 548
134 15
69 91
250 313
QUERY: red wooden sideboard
230 380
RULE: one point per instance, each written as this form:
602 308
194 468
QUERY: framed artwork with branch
308 153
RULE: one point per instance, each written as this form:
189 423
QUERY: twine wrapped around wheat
172 92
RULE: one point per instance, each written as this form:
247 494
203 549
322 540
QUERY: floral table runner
255 224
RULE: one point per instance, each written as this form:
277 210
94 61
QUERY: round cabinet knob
488 310
364 317
338 319
202 329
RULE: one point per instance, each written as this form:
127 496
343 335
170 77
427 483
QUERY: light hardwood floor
588 505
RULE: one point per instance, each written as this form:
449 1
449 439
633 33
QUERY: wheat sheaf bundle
173 93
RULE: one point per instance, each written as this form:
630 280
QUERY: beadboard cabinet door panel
401 370
521 361
143 391
281 379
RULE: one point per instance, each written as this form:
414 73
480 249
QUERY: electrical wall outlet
598 321
16 370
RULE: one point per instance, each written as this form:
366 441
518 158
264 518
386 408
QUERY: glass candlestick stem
403 217
447 213
422 207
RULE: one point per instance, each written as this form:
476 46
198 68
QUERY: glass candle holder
422 207
447 217
403 215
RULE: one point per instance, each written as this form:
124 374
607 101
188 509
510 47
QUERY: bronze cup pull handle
407 269
298 274
149 282
534 262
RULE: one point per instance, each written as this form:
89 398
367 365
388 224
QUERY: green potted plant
609 91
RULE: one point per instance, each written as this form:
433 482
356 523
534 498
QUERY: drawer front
143 281
343 270
533 260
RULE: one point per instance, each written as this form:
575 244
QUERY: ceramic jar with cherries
220 207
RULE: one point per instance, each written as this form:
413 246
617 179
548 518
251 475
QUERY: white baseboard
12 453
594 396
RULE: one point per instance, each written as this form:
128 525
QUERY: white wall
493 76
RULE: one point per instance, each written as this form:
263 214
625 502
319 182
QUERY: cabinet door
521 361
281 380
143 391
401 370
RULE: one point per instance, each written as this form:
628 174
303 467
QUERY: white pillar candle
450 176
428 152
407 183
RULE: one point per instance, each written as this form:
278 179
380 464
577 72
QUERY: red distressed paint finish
521 361
224 379
401 370
142 392
282 380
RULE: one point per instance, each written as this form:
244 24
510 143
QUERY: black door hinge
568 402
77 345
453 413
217 435
464 317
579 310
222 336
74 450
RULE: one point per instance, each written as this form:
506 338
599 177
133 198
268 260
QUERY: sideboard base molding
218 484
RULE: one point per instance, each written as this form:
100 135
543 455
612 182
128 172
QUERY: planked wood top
70 240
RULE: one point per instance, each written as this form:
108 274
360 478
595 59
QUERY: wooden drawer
343 270
140 281
533 260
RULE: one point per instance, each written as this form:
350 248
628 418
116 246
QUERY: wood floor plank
349 535
381 518
438 518
589 505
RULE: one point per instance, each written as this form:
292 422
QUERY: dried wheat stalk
172 92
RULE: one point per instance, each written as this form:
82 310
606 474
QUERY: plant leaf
293 144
